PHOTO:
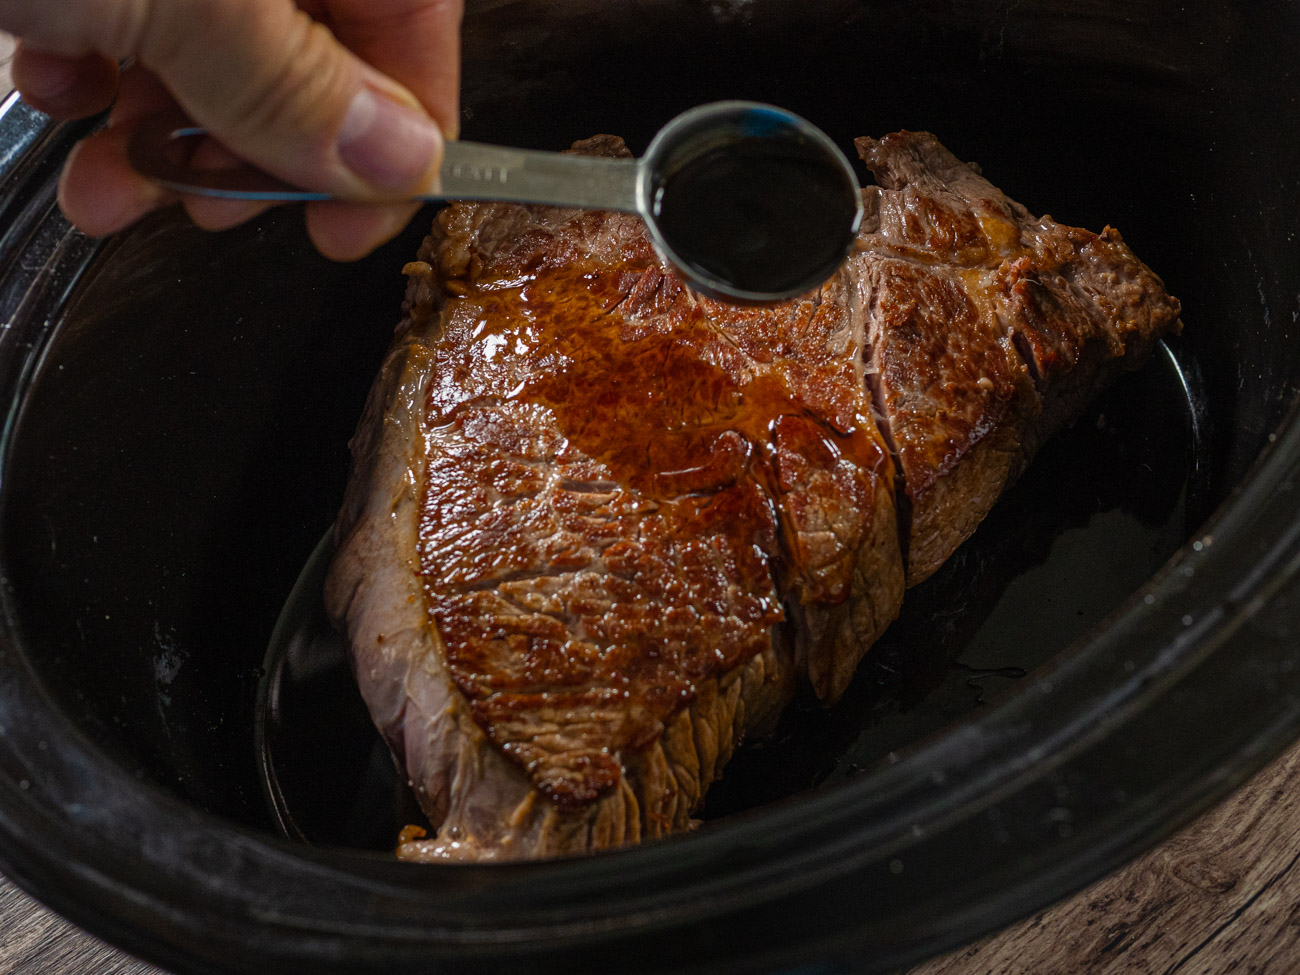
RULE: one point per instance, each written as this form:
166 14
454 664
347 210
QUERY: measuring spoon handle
475 171
469 171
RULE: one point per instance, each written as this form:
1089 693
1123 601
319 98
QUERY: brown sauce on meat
668 411
661 555
641 379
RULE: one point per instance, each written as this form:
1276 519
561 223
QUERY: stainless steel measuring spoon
748 202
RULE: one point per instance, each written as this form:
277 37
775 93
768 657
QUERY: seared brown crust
494 813
625 481
600 526
987 327
485 808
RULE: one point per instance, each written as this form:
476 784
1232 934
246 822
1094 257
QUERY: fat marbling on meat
600 527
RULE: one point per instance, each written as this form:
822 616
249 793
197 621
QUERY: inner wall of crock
183 446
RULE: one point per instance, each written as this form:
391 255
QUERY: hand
349 96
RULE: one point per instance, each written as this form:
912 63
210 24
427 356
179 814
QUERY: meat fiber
600 527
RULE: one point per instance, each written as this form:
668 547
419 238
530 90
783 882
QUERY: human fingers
219 213
416 42
265 79
349 231
99 192
142 94
139 94
64 86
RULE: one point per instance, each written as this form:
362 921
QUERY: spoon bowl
752 203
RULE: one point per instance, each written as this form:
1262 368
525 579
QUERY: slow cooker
1111 654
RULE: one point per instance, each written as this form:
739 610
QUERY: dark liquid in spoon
762 214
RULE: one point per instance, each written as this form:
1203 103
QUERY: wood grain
1221 896
34 941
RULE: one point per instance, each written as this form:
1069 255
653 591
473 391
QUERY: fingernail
387 144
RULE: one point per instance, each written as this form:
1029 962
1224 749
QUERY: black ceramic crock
176 412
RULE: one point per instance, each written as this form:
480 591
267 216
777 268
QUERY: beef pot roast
599 527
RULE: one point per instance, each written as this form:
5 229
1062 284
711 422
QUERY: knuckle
305 88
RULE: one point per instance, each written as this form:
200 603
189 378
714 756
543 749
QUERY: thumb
279 90
270 83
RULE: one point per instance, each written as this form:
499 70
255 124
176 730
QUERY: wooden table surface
1221 896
